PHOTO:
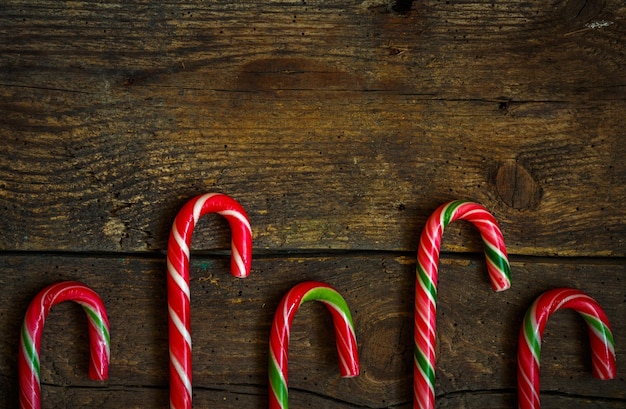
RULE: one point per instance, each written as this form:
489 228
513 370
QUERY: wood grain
340 126
345 138
231 323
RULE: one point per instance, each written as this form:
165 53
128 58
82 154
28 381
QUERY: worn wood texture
340 126
337 125
232 318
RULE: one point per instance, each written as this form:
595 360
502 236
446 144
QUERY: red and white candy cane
32 329
279 337
178 280
600 337
426 285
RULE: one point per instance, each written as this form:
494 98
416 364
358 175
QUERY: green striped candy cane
531 333
279 337
32 329
426 285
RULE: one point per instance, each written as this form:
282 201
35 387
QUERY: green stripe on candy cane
601 330
531 333
603 336
424 366
497 259
30 352
98 323
278 384
425 281
332 298
448 211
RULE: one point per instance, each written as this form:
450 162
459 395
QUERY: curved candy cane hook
32 329
426 285
279 338
600 337
178 281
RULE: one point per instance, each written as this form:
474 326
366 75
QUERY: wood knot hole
516 187
402 6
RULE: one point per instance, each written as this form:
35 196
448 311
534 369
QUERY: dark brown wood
231 321
339 138
245 398
340 126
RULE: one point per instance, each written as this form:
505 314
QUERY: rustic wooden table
339 126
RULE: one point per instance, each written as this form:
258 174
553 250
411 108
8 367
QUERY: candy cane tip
240 274
99 376
239 271
504 287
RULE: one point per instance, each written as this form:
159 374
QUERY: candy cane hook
426 285
178 280
279 338
600 337
32 329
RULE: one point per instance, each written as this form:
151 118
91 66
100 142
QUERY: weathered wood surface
232 318
337 125
340 126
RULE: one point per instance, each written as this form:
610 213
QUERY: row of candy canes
241 248
601 337
425 311
603 357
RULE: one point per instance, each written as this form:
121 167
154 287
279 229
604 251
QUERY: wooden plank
338 126
140 398
518 50
346 137
231 320
319 189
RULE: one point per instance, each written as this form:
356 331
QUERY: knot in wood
516 187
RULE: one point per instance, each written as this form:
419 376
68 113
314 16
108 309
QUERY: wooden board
322 191
232 319
339 126
336 139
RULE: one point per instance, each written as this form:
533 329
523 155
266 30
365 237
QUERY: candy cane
600 337
32 329
426 285
178 281
279 338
